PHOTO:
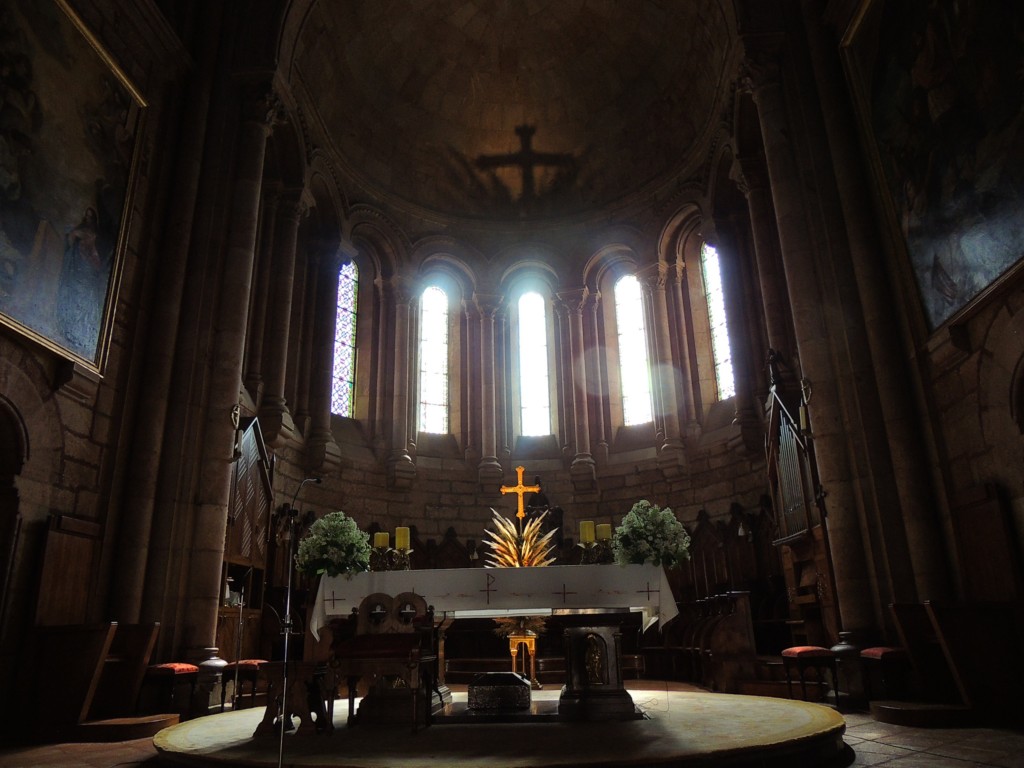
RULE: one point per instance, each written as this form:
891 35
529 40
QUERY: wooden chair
394 638
165 678
246 671
804 657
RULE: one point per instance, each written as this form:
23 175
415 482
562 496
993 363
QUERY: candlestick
604 531
401 538
382 539
587 531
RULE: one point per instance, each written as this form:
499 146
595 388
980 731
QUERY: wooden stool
814 656
248 671
892 666
167 676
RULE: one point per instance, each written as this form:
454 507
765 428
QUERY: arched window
534 400
344 379
720 349
433 355
633 367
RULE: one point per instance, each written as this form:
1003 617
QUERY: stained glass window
344 379
434 361
534 402
720 349
634 371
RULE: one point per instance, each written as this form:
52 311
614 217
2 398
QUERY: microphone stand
238 643
291 523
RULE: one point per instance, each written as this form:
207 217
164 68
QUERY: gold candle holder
380 558
400 559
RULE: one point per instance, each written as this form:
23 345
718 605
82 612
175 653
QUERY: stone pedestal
594 689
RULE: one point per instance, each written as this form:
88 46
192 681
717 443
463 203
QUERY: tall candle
604 531
401 538
586 531
381 539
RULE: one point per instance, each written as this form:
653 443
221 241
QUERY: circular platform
681 728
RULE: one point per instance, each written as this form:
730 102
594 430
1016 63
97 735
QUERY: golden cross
520 489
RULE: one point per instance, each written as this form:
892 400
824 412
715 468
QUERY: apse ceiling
512 108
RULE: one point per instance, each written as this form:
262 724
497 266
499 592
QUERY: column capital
760 69
750 173
653 277
263 106
573 300
488 304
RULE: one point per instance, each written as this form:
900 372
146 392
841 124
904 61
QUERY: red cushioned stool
248 671
817 658
891 666
167 677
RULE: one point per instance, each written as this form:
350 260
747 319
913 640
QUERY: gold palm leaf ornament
511 548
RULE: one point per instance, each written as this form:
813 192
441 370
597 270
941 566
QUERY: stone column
300 354
322 452
131 566
725 238
258 321
489 469
917 511
595 360
671 456
401 470
681 322
583 467
215 465
275 419
808 306
751 176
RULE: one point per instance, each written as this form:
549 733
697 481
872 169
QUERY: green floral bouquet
650 534
333 545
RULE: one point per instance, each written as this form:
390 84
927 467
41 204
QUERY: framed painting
69 119
938 90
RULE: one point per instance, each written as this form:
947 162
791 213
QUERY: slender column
382 336
489 467
917 510
751 177
275 420
595 361
135 540
682 325
206 552
852 585
258 312
582 468
322 452
727 243
402 471
300 349
652 278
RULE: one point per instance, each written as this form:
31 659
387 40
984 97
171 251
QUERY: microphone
291 507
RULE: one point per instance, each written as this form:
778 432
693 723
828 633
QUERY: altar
594 687
497 592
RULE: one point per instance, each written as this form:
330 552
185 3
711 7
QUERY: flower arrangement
650 534
333 545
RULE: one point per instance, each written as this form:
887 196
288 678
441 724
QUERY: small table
527 638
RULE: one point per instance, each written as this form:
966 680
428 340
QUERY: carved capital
262 105
487 304
573 301
750 174
759 70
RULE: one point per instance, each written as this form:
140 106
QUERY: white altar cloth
506 591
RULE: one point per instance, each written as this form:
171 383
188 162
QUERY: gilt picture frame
69 123
937 91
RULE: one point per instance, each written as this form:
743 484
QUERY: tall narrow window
633 368
534 403
344 380
434 361
720 349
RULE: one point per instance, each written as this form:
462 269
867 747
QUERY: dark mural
947 112
67 128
